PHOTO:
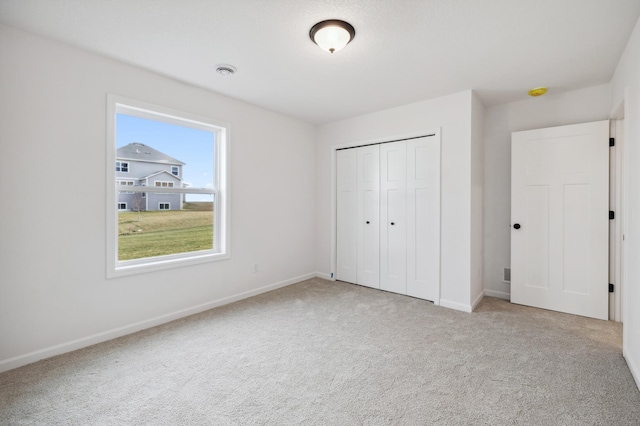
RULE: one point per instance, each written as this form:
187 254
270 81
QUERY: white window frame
177 169
169 184
222 226
164 202
125 206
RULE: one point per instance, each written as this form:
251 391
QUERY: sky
191 146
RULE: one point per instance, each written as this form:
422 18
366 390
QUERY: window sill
126 268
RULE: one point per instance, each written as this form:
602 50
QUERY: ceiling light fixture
538 91
226 69
332 35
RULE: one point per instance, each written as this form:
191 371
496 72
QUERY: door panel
559 196
577 216
396 236
537 241
423 218
368 216
393 218
346 214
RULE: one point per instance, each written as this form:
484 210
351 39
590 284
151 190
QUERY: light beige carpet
338 354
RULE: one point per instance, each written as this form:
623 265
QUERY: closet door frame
436 132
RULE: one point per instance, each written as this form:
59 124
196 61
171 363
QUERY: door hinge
610 288
612 141
612 215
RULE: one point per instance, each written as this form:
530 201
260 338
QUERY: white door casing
559 199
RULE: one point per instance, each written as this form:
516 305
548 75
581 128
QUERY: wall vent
506 275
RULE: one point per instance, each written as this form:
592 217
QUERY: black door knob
516 226
367 222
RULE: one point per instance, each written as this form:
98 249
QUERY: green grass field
158 233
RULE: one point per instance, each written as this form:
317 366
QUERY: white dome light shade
332 39
332 35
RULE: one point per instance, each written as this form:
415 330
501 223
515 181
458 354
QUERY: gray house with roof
140 165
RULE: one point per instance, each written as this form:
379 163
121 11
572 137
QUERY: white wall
579 106
626 89
453 115
53 293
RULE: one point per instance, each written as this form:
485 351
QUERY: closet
388 216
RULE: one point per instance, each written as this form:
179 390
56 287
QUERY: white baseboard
478 300
635 371
499 294
455 305
31 357
324 276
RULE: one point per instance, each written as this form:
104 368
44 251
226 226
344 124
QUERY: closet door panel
423 218
393 213
368 216
346 215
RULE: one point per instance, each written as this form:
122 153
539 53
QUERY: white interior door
393 217
346 215
423 218
559 218
368 226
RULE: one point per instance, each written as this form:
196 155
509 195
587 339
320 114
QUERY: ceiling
404 51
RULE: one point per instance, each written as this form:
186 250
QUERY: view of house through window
166 187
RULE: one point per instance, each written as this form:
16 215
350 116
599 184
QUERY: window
190 211
122 166
125 183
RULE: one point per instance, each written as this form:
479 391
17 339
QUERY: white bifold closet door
423 218
358 216
347 213
388 216
410 218
393 217
368 216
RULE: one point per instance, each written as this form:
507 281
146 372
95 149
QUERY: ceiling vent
226 69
